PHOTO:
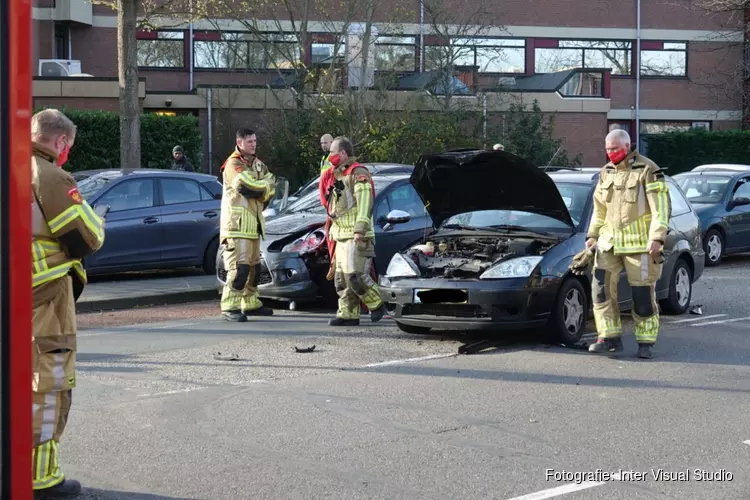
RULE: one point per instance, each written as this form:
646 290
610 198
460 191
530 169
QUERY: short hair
498 147
345 145
49 123
244 133
326 137
618 135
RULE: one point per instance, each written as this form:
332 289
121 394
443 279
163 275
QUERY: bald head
498 147
53 129
325 142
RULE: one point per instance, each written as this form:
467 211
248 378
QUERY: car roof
715 173
733 167
150 172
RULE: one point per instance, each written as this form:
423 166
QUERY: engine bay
468 257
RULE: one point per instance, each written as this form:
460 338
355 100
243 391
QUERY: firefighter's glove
582 261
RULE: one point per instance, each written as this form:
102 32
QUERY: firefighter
248 189
628 226
325 145
64 230
350 208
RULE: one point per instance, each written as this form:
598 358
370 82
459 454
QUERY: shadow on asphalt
97 494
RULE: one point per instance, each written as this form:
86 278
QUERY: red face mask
335 159
62 158
617 156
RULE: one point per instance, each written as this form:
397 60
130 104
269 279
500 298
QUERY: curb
162 299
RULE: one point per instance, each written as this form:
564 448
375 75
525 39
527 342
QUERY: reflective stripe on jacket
352 206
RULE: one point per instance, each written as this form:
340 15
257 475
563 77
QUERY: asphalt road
373 413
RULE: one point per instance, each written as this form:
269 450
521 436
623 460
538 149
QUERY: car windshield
311 201
91 185
575 195
512 219
703 188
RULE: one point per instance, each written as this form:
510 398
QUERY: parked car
720 195
157 219
374 168
294 255
506 234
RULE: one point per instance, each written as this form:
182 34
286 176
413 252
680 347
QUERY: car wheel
680 289
568 318
713 245
209 259
416 330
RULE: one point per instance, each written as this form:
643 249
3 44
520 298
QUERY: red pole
19 206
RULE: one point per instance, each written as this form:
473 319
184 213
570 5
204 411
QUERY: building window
247 51
654 127
583 84
395 53
488 55
161 49
663 58
564 55
61 41
326 53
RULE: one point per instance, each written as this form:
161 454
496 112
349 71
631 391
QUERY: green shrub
682 151
98 139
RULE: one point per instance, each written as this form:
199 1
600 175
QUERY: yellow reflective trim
248 180
65 217
658 186
92 221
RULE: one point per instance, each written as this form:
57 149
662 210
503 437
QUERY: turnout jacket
351 201
64 227
248 187
631 206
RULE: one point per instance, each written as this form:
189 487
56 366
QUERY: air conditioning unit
61 68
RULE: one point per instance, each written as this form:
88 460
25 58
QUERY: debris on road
305 349
697 309
224 357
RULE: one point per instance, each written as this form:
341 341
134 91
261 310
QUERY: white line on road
747 442
721 321
693 320
137 328
409 360
560 490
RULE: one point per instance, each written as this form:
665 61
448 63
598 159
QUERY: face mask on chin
62 158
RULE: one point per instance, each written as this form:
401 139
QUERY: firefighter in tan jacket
248 188
628 226
65 229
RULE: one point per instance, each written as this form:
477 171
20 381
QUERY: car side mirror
269 212
217 196
739 202
395 217
101 210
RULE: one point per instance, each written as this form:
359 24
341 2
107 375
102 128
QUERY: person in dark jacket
180 161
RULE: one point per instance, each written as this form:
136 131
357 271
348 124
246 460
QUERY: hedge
97 142
682 151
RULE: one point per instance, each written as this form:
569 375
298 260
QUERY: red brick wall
78 103
583 133
44 43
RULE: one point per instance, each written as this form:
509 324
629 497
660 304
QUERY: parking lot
375 413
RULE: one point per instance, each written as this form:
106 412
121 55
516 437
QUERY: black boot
606 345
378 313
235 315
343 322
261 311
644 351
69 488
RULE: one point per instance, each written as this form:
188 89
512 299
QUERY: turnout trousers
352 278
54 357
643 272
242 262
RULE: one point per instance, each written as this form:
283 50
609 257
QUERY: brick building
577 58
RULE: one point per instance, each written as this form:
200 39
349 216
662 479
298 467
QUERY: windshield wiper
459 226
511 227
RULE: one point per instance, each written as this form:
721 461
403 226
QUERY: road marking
409 360
693 320
560 490
167 393
722 321
144 327
747 442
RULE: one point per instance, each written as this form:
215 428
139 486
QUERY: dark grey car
500 254
157 219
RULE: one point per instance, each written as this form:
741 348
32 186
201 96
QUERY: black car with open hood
466 180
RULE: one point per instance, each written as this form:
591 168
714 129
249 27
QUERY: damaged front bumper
507 304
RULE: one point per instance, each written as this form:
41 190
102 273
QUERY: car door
190 219
739 216
132 227
391 239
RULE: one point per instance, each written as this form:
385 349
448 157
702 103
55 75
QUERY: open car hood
467 180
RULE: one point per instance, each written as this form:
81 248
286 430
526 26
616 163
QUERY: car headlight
310 242
400 267
520 267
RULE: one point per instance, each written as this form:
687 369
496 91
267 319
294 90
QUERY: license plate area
441 296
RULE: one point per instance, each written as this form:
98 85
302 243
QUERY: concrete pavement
374 413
